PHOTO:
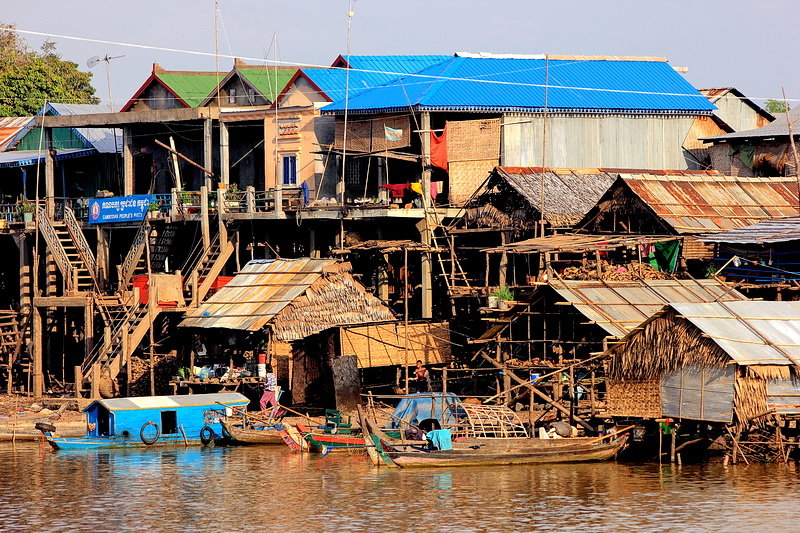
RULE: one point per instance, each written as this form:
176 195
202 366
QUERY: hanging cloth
439 149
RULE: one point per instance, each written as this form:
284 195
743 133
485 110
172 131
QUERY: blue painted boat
151 421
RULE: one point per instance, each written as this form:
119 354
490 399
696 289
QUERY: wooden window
289 170
232 96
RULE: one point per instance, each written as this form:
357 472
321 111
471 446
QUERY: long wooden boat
321 442
241 433
484 452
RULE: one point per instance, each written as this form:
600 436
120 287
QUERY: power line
398 74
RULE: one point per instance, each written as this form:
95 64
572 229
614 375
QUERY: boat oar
316 422
615 434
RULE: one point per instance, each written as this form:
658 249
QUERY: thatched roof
294 297
568 193
750 333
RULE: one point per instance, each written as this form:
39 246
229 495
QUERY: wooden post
49 174
204 223
444 380
383 279
426 270
224 153
250 199
503 270
127 161
95 390
88 328
174 206
673 435
507 386
208 150
37 371
78 381
425 126
405 315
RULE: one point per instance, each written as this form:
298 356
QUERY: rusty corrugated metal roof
708 203
255 295
295 297
620 306
9 127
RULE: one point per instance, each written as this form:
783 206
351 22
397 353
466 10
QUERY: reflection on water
269 488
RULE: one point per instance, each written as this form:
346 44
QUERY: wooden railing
51 238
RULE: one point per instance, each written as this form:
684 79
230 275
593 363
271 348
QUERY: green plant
24 205
503 293
153 207
185 198
232 192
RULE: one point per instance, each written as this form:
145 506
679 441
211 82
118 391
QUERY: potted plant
153 209
25 209
503 295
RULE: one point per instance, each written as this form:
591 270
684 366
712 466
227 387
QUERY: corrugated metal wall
737 114
699 393
646 142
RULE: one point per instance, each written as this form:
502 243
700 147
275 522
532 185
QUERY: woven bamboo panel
281 352
382 344
467 176
470 140
370 136
694 249
633 398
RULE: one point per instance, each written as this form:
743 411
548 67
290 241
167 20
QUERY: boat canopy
414 408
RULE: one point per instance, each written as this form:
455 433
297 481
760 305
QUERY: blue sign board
119 208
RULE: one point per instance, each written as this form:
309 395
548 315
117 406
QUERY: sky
740 43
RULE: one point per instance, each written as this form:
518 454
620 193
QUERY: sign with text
119 208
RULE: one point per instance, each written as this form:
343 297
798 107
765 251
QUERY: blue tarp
418 407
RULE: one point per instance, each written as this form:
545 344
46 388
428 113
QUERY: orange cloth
439 149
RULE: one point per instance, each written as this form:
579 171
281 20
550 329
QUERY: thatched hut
688 203
731 362
286 301
519 198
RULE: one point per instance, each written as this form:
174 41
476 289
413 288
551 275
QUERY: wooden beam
147 116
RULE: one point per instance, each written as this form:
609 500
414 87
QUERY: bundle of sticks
629 272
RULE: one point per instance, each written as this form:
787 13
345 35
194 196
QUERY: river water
271 489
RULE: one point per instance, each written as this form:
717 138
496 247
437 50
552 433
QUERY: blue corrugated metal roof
24 158
490 84
368 72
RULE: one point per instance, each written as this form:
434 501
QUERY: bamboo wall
382 344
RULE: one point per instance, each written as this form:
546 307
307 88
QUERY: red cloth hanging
396 190
439 149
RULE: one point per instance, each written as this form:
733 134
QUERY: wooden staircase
72 253
209 264
11 344
450 269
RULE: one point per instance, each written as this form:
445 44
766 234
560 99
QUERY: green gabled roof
192 88
268 81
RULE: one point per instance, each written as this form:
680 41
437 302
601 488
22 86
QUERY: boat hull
88 443
240 435
512 452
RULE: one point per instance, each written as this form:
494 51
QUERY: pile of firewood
632 271
166 366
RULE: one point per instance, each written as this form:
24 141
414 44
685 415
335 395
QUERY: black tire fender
206 435
149 440
45 427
